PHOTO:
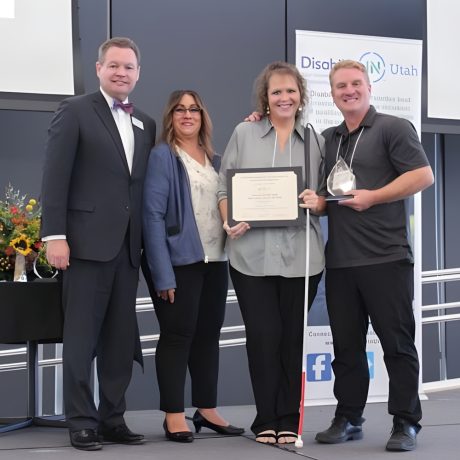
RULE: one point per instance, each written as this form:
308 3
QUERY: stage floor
439 438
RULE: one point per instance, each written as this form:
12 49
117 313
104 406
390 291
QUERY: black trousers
273 314
383 293
99 300
189 335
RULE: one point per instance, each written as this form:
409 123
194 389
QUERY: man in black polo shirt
378 159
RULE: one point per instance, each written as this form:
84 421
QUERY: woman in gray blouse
187 270
267 264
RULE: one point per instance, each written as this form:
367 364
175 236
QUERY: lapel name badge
137 123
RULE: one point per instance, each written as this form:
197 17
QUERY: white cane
299 442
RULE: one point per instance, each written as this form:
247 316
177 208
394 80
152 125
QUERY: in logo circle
374 64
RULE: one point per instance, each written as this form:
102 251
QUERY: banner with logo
395 69
394 66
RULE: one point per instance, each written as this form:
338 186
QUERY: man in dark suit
96 157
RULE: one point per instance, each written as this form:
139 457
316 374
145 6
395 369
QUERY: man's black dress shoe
120 434
403 435
199 421
86 439
341 430
178 436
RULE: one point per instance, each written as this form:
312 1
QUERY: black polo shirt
388 147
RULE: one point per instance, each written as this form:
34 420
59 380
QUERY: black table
31 313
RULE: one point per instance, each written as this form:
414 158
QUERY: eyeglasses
182 110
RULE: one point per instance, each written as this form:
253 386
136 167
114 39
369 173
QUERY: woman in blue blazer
184 247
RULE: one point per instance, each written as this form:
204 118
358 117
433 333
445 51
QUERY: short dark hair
118 42
262 81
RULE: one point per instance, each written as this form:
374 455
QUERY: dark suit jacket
88 193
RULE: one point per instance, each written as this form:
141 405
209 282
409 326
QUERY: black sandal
286 434
270 434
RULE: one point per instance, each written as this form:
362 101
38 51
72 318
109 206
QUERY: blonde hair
348 64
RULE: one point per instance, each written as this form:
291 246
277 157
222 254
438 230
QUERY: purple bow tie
128 107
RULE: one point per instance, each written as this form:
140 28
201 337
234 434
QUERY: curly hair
263 80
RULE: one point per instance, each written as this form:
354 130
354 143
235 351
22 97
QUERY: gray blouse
274 251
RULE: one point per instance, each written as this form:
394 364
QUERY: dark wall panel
94 29
430 339
428 211
23 136
390 18
452 192
213 46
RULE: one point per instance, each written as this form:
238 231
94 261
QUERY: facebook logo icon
319 367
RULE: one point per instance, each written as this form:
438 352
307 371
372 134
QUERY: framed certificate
265 197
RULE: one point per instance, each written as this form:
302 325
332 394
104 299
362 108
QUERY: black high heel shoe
179 436
199 421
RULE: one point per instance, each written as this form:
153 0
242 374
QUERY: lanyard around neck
354 148
274 149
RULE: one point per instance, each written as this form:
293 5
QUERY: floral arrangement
19 235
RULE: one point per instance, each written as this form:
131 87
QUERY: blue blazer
171 235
